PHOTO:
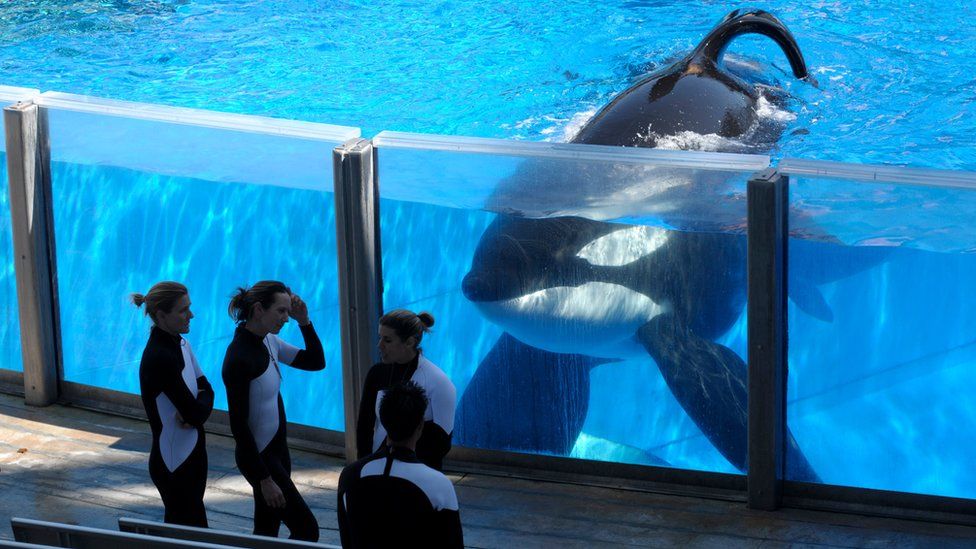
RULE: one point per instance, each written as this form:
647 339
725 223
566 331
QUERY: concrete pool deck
67 464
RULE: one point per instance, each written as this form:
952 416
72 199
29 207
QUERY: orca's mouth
472 287
479 288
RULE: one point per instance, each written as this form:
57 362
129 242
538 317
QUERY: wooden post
29 174
768 207
360 278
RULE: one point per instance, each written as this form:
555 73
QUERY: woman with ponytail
178 400
400 334
252 376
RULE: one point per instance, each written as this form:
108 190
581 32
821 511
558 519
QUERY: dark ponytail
243 300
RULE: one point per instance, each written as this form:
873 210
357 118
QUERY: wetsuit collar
247 335
398 453
162 336
402 453
412 365
400 373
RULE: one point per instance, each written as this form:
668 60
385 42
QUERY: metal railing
55 534
208 535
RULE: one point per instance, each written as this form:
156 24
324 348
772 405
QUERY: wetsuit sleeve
443 400
433 445
345 535
194 409
367 414
238 387
311 358
449 525
205 393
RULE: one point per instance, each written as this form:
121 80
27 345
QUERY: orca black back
695 94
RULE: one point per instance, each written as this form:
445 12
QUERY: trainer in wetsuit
390 498
178 400
252 375
400 334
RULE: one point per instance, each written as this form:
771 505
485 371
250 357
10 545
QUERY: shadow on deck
71 465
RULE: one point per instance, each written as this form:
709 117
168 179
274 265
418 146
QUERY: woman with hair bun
400 334
252 377
178 400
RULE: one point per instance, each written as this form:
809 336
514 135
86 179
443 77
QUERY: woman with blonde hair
178 400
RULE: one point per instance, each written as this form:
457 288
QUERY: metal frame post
768 218
29 175
360 276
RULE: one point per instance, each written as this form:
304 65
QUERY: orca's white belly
595 319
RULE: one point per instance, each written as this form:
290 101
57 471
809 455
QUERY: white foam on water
766 109
688 140
576 123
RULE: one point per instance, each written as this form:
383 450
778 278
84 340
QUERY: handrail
70 535
877 173
573 151
223 537
196 117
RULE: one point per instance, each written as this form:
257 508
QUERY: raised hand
299 311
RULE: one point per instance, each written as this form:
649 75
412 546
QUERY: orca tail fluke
797 465
737 23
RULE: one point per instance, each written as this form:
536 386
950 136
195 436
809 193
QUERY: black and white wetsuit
171 384
391 499
257 420
435 441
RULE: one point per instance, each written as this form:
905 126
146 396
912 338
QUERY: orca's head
565 284
518 256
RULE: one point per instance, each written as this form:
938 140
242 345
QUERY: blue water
119 231
893 88
10 328
877 393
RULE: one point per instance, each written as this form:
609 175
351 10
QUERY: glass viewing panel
144 193
571 285
10 358
882 331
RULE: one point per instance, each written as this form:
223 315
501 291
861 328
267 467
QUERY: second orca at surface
572 293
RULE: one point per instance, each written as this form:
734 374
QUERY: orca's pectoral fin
797 466
709 381
810 299
525 399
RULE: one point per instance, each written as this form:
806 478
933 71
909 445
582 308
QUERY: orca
697 94
572 292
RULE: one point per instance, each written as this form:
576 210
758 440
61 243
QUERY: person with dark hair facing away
178 399
252 375
390 498
400 334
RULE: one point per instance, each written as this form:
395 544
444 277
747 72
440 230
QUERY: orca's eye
623 246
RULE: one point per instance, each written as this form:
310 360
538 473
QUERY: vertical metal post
29 175
360 275
768 206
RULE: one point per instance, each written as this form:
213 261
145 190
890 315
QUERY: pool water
893 88
880 348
